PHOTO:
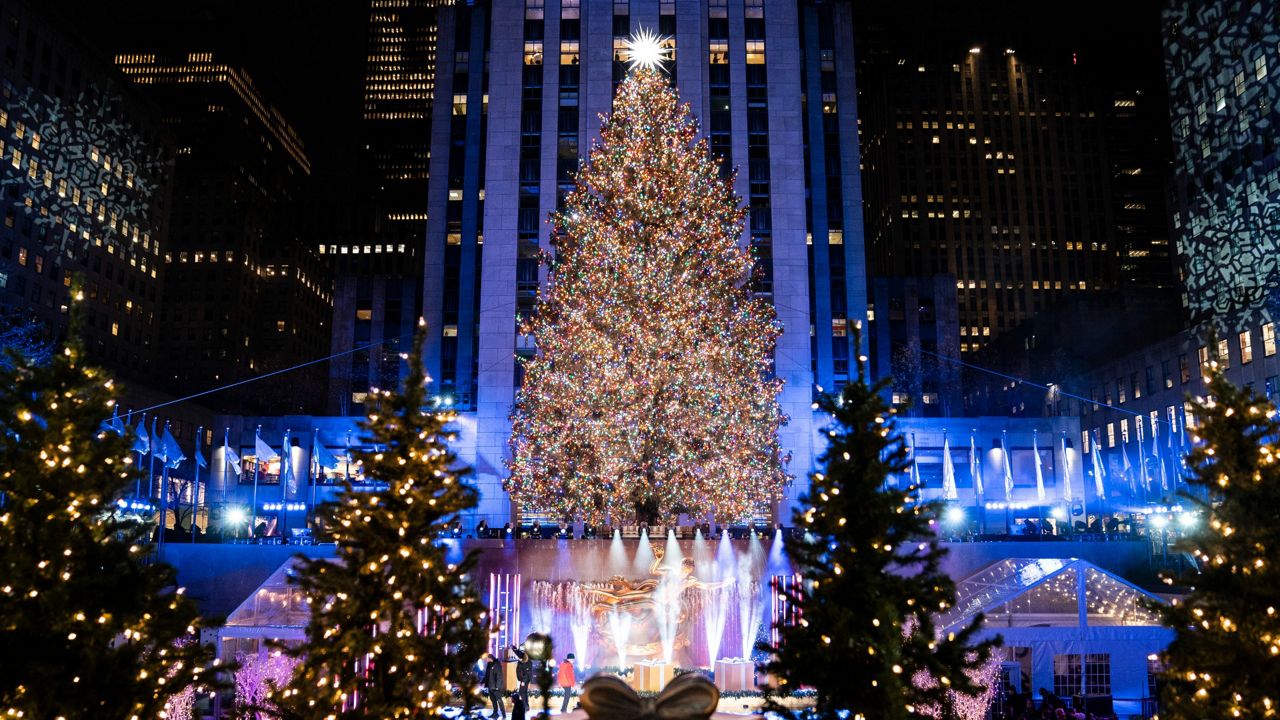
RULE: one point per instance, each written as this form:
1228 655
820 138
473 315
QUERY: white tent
277 610
1073 627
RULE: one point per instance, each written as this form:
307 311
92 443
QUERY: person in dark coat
495 684
524 671
517 706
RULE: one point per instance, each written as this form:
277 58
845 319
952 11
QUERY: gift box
652 675
735 675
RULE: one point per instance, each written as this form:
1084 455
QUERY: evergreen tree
869 559
1225 659
650 394
394 625
88 627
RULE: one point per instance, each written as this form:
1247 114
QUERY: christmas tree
866 639
88 628
1225 659
650 394
394 626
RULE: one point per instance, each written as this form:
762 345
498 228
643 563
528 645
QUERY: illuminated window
450 331
569 52
719 52
1269 339
22 256
359 397
569 9
755 52
364 314
1204 357
1219 99
280 326
533 53
1124 431
1240 84
835 237
1111 435
460 104
115 328
1260 67
1224 354
533 9
1246 347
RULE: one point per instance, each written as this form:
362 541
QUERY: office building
86 170
247 295
377 249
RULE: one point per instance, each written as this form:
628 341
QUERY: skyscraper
247 294
992 169
86 171
526 81
378 252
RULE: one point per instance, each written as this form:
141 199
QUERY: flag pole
151 469
164 487
312 471
286 465
137 482
195 487
253 513
226 465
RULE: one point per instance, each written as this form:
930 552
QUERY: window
1270 387
279 326
1166 373
1224 354
115 328
1246 347
1097 674
1260 67
1111 435
1240 84
755 52
1120 391
1133 384
1124 431
364 314
1184 369
1269 339
1204 357
1067 675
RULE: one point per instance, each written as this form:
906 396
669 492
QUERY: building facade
914 334
247 294
526 81
1221 60
86 172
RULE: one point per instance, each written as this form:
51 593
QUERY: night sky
308 57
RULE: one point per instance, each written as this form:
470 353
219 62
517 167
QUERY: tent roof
1045 592
276 602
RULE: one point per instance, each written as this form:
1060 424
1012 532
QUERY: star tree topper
647 49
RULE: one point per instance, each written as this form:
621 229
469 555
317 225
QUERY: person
495 684
566 679
524 669
517 705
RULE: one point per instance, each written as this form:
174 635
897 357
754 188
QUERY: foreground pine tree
870 563
1225 659
650 394
394 626
88 628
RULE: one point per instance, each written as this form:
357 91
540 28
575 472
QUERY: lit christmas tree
88 628
866 639
394 626
651 392
1225 659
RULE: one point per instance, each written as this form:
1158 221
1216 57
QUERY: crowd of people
529 671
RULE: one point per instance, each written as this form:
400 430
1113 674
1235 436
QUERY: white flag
1067 495
1035 449
948 472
